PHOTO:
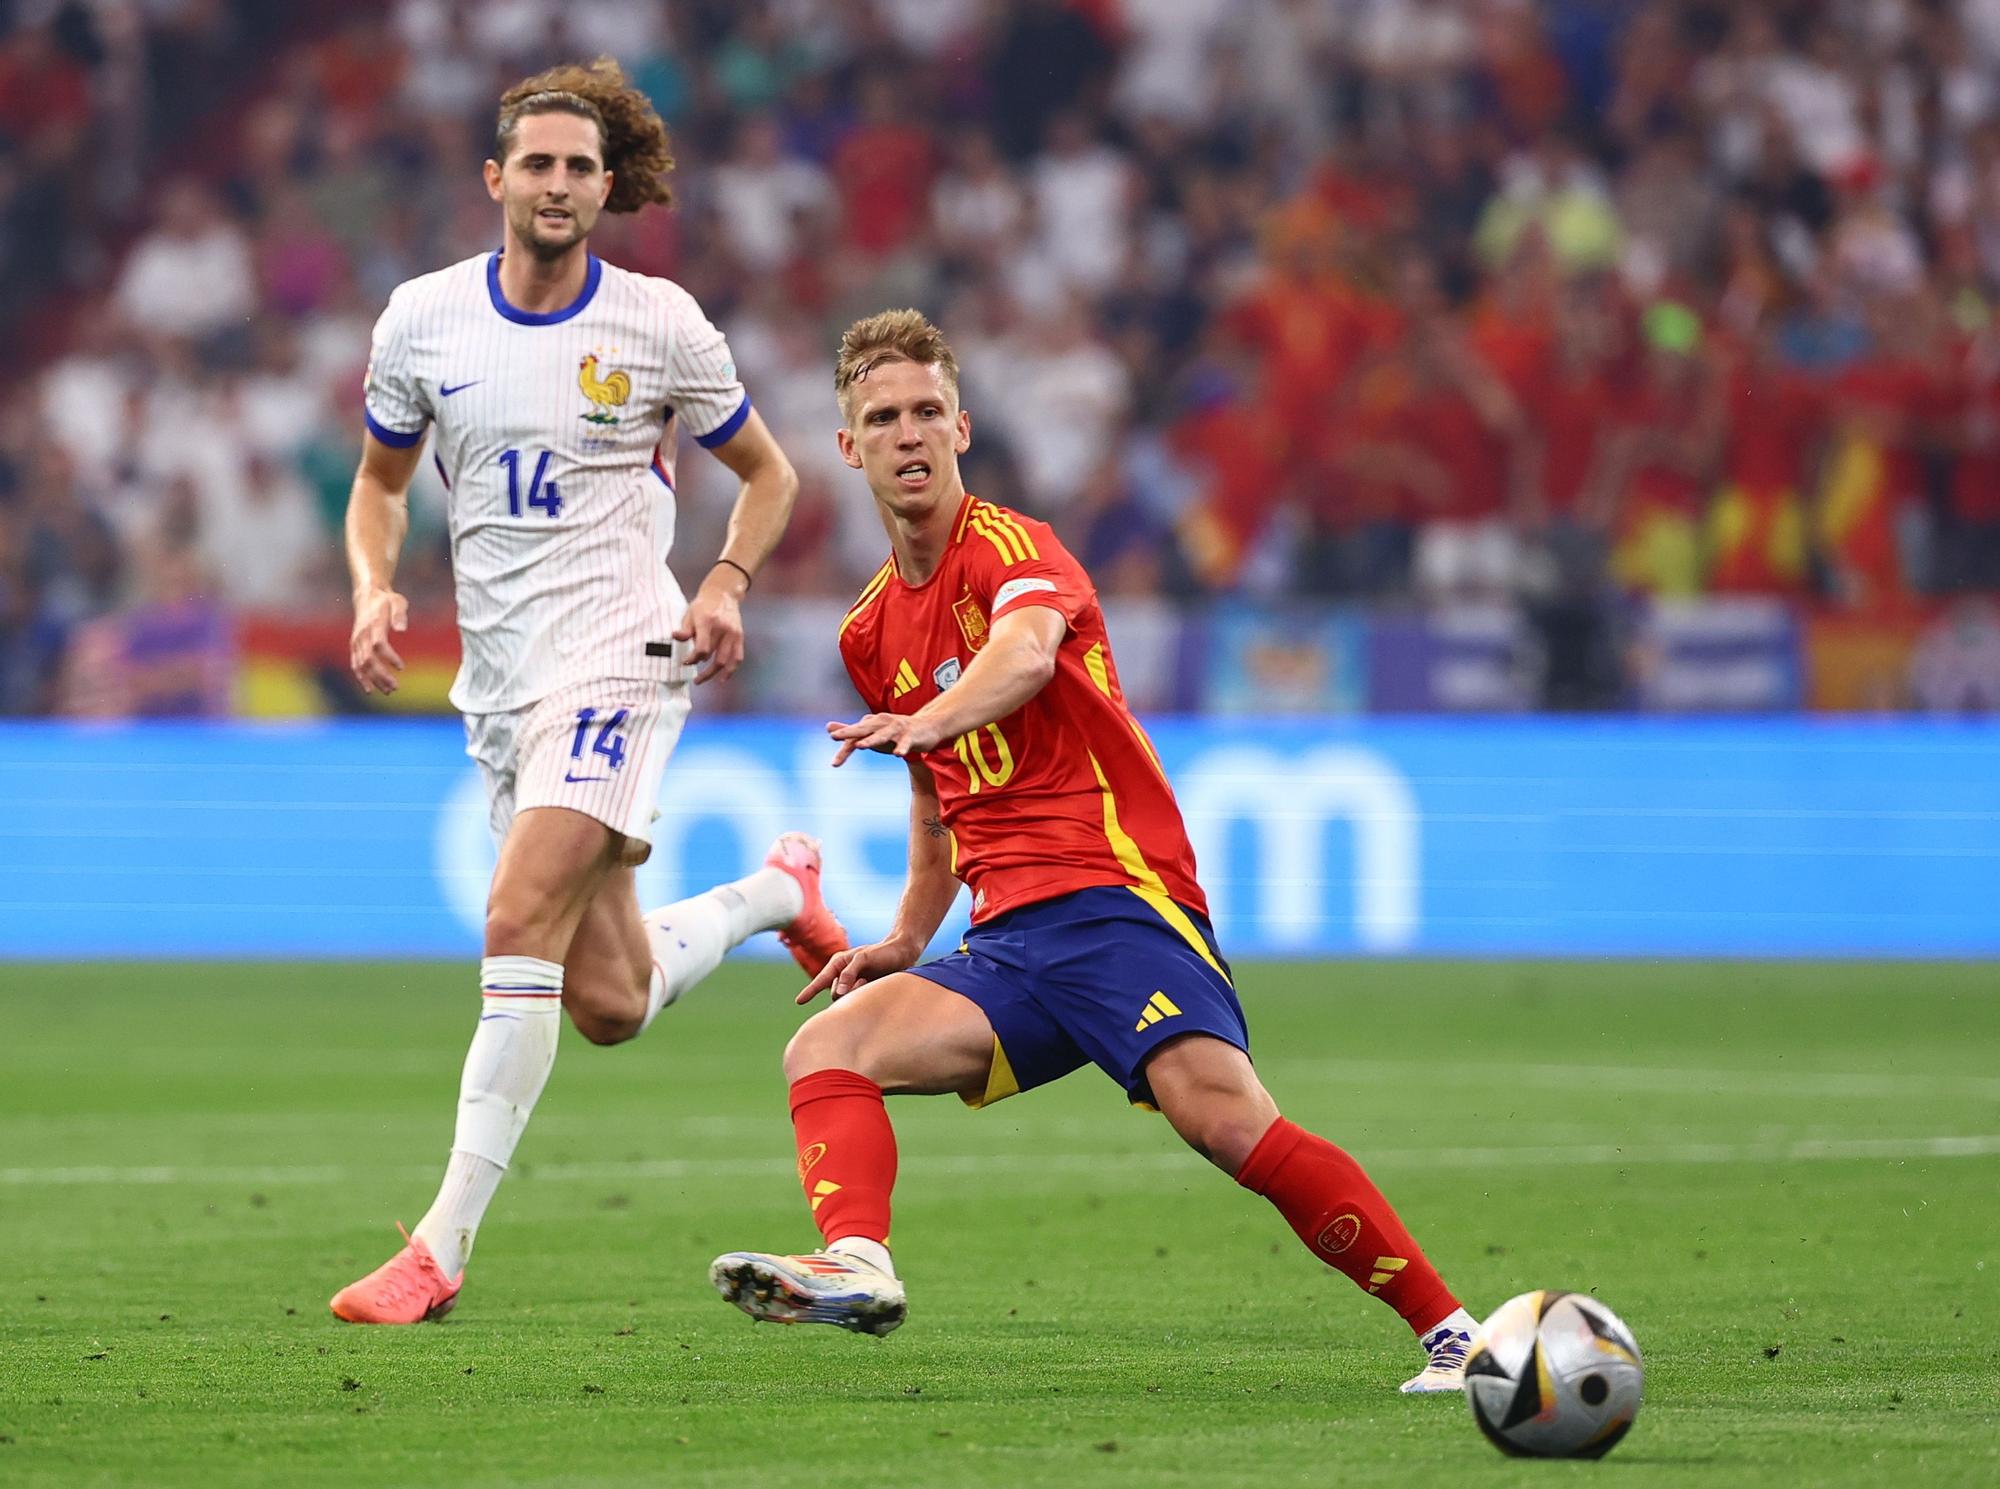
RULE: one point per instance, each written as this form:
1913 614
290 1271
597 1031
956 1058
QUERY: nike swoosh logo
579 780
445 390
512 1018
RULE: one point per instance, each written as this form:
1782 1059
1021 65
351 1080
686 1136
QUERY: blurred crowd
1558 305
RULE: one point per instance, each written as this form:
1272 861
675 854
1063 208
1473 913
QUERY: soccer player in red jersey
980 651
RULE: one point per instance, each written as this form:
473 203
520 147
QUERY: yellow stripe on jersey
869 591
1146 744
1149 887
1123 848
1093 663
1012 551
982 522
1000 547
1020 531
964 516
1011 525
873 588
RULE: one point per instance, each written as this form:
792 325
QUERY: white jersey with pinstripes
555 435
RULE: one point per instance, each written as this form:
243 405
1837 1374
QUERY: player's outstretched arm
927 897
378 514
714 619
1018 660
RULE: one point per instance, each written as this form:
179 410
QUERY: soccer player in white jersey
555 387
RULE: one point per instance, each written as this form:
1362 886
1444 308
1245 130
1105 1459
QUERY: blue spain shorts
1102 976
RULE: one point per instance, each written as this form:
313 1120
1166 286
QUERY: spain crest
971 620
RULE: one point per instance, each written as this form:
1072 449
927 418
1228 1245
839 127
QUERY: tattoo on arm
934 826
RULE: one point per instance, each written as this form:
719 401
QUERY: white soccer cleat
820 1288
1448 1349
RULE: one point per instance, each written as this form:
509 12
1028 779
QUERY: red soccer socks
1343 1219
847 1167
847 1153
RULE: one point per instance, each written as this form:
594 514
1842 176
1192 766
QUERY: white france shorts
597 747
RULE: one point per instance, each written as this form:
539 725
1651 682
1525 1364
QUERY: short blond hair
891 336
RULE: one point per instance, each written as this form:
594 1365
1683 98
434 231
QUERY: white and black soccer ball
1554 1375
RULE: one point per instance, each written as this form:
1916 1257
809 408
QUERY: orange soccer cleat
814 935
409 1288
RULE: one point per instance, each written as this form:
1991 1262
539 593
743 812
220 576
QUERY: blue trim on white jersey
395 439
720 433
592 274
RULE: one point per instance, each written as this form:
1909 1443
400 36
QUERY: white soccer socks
691 937
1458 1322
453 1219
861 1249
512 1051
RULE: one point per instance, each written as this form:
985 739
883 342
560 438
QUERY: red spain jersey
1064 793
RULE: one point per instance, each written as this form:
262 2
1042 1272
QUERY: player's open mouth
914 474
553 215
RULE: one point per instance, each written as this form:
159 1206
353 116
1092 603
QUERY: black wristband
748 578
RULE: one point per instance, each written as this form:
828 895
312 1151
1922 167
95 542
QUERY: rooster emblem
605 393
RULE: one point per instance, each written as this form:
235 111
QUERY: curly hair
891 336
634 140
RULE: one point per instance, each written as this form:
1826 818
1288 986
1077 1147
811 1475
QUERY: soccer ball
1554 1375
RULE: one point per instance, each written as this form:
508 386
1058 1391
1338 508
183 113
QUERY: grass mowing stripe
1671 1080
1105 1165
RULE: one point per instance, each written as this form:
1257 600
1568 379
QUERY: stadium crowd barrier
1715 655
1332 837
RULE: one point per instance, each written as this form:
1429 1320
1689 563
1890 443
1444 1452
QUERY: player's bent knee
1225 1139
602 1028
507 930
1219 1110
824 1042
605 1012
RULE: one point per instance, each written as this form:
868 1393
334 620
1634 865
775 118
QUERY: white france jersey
556 436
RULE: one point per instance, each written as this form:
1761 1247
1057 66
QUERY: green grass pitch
1786 1178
